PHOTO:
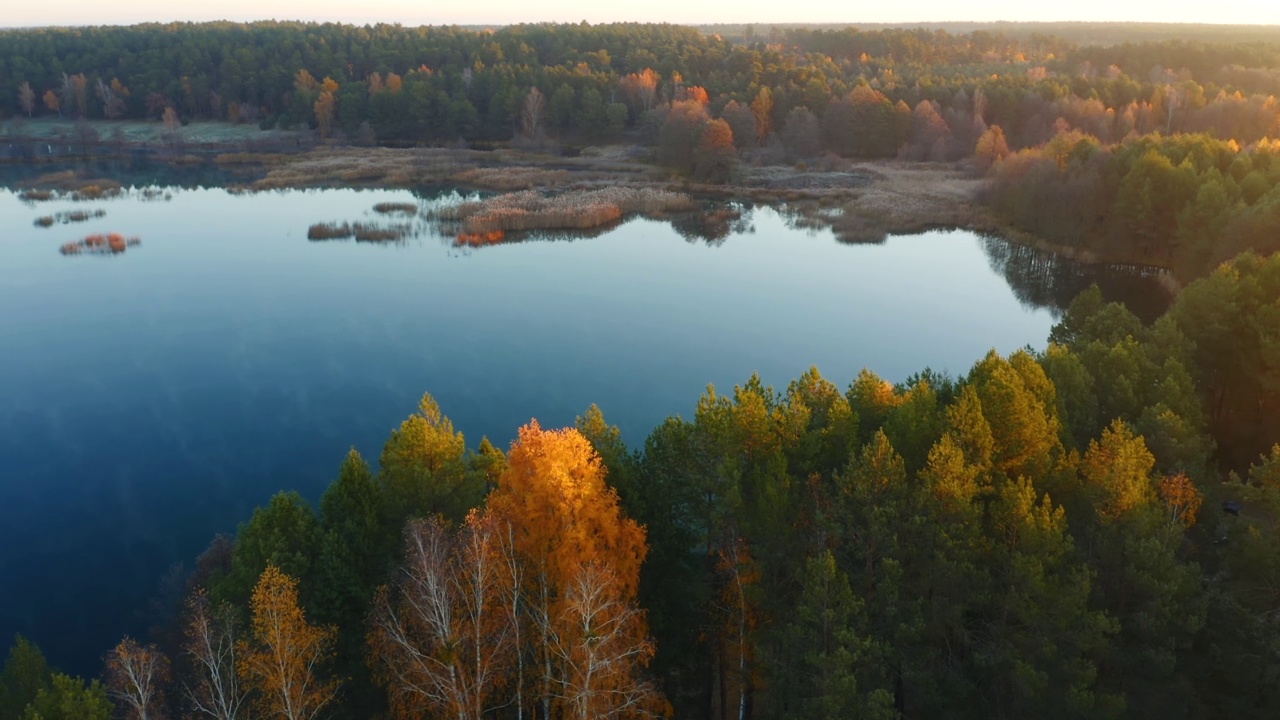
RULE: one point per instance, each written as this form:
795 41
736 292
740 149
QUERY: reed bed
394 208
72 216
376 233
508 179
97 191
371 166
330 231
33 195
360 232
100 244
576 210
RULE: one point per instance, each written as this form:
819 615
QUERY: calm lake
152 398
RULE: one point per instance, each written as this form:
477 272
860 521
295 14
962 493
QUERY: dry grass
507 179
576 210
504 170
34 195
250 158
382 167
894 198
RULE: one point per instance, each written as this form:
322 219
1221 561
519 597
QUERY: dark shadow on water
1041 279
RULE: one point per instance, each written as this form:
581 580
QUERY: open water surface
152 398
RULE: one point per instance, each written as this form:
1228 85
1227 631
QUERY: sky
425 12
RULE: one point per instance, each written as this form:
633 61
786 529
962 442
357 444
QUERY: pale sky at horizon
420 12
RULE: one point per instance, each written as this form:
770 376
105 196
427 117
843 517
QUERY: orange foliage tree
640 90
135 679
1181 499
282 661
544 576
582 561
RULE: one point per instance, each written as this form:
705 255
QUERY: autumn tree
762 109
714 156
583 561
743 124
1181 499
284 659
212 639
112 98
679 133
991 148
533 114
640 89
52 102
594 639
136 676
26 98
443 637
324 107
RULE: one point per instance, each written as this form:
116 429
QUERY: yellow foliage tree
282 661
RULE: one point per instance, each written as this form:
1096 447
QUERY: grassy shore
859 202
863 202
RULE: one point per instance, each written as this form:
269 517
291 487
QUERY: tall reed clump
577 210
396 208
360 232
330 231
72 216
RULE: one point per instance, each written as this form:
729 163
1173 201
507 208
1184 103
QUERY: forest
1091 530
1086 531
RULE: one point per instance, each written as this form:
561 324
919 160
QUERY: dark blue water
151 399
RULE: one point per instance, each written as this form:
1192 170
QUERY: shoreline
860 202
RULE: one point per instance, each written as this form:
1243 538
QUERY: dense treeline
919 93
1051 535
1186 202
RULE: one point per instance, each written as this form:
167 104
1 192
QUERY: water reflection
1041 279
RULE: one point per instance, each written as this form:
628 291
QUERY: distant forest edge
1156 152
1087 531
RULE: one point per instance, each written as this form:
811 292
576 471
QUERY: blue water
151 399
